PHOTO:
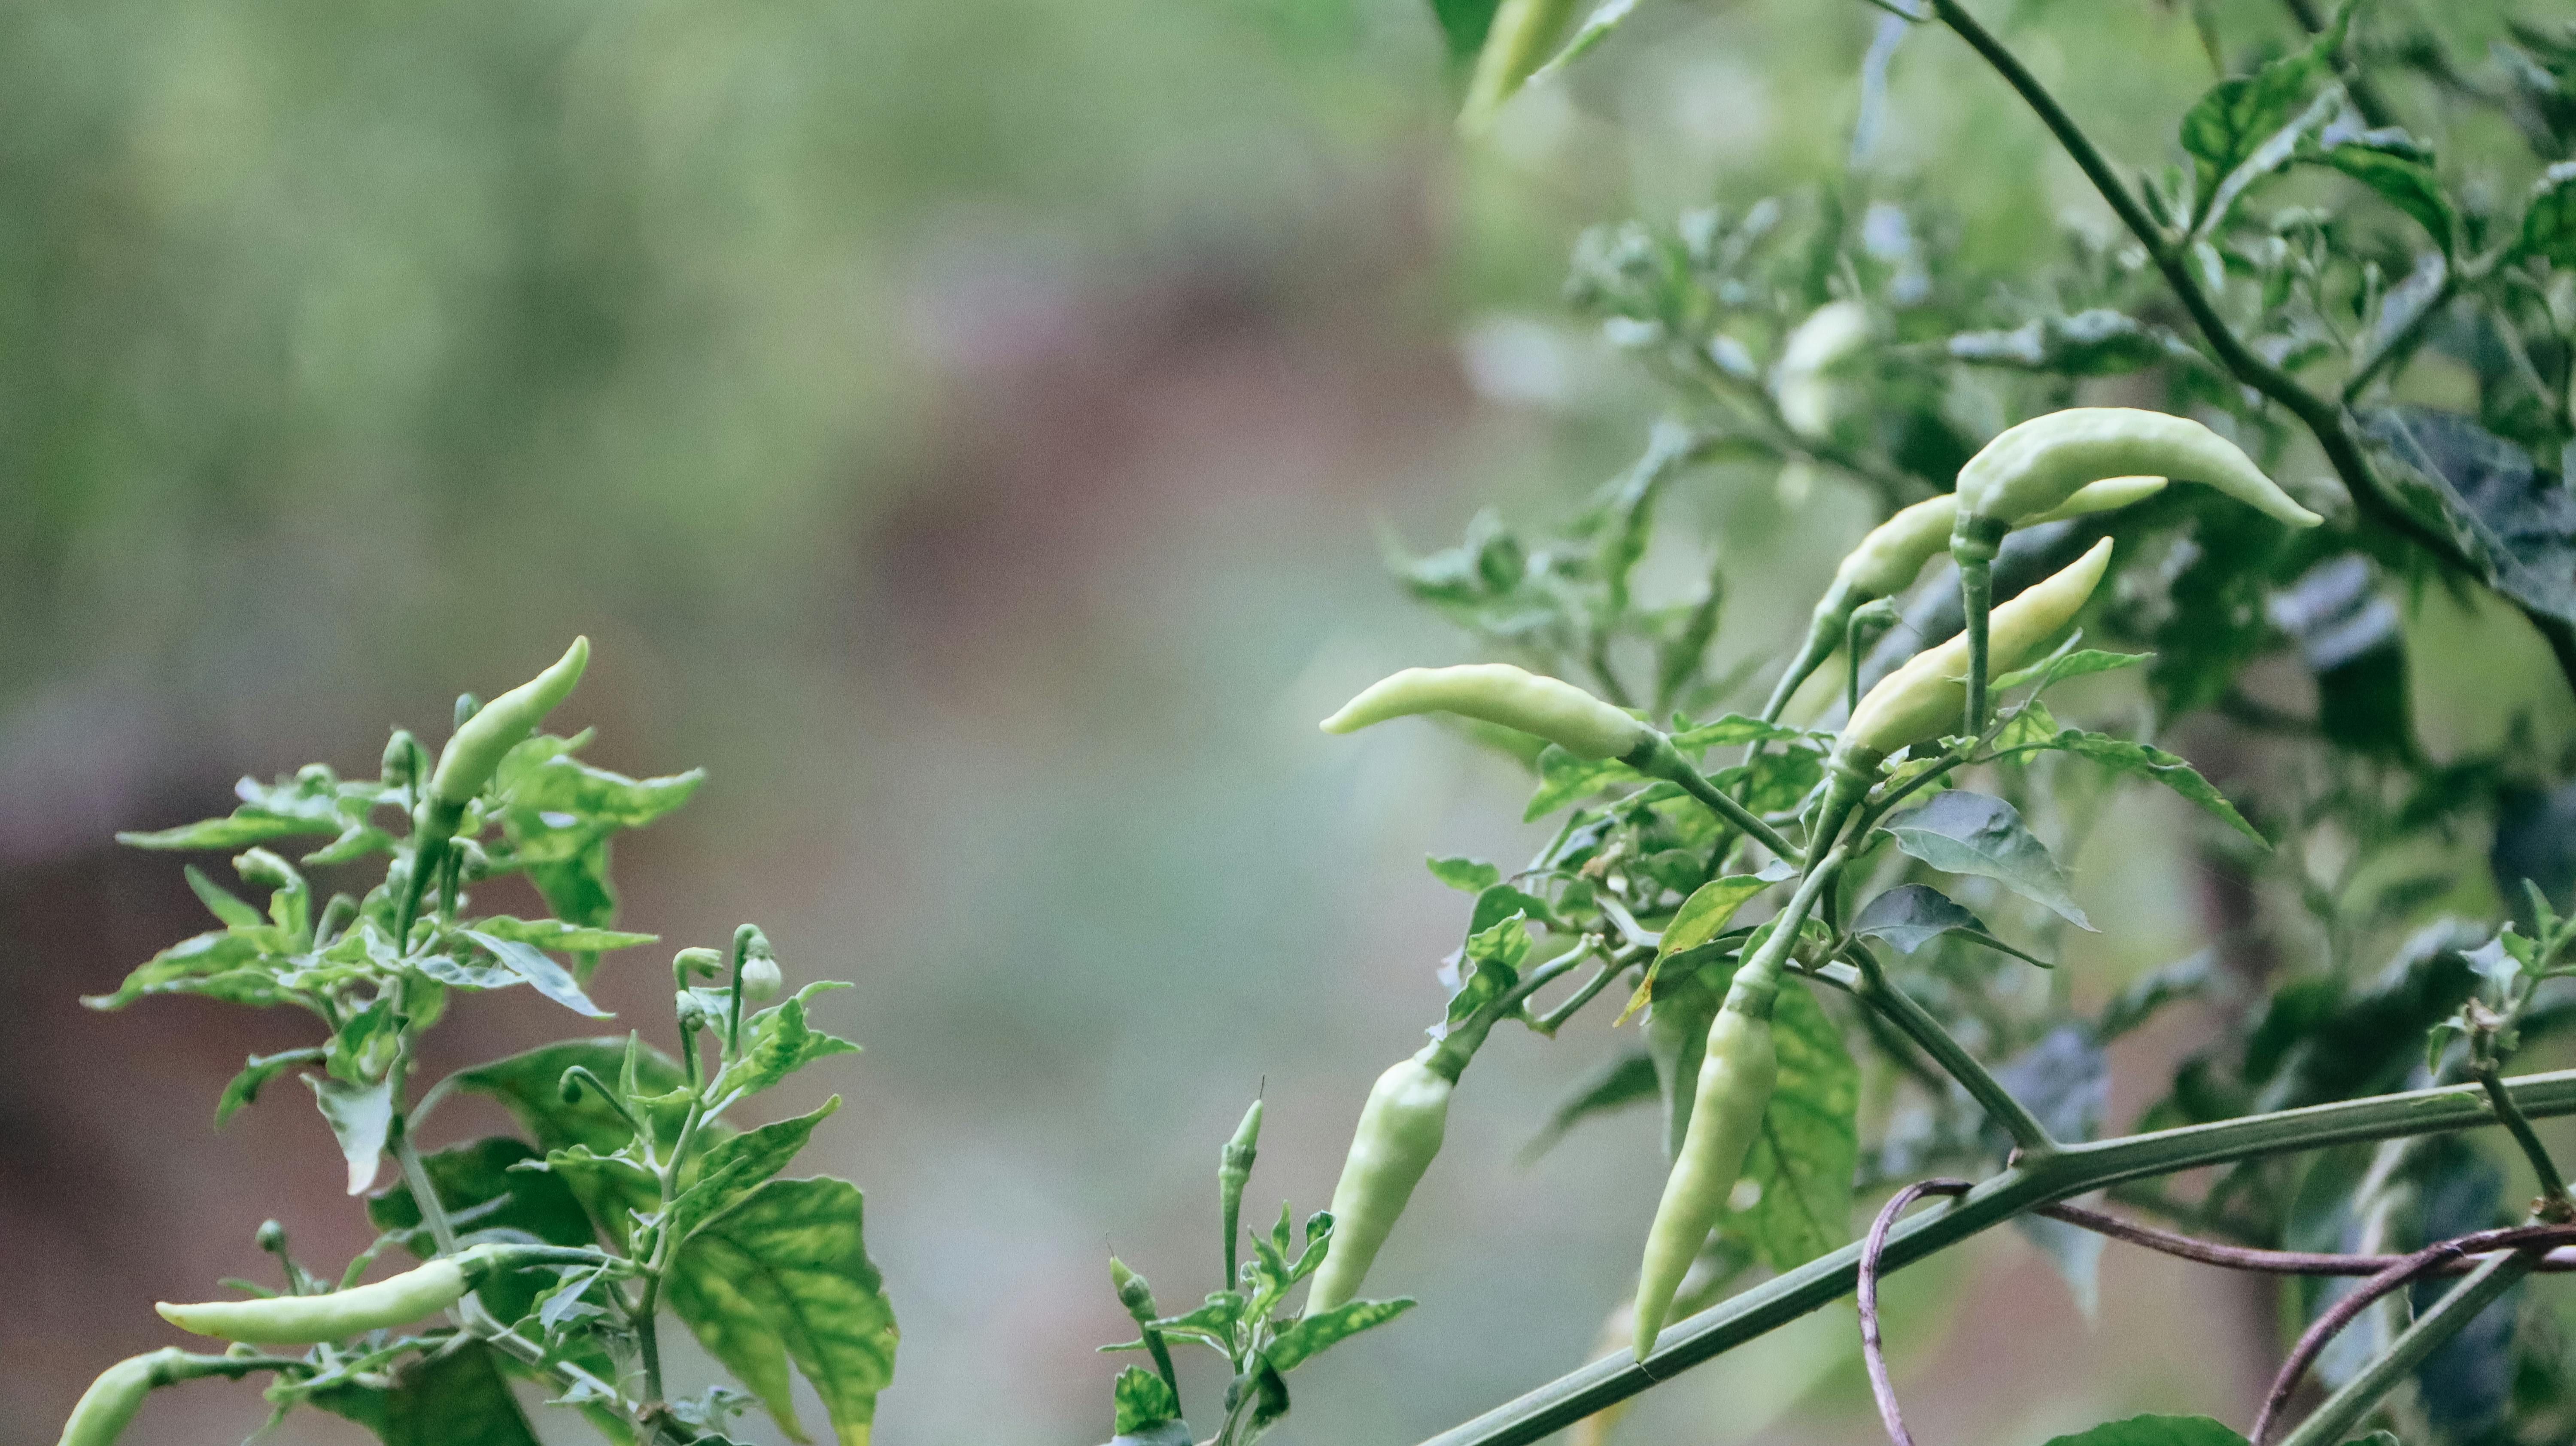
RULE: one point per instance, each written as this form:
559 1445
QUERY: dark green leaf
2517 526
2549 217
1959 832
529 1086
1472 876
2400 169
477 1179
2157 766
1143 1401
1910 916
2235 131
439 1399
2154 1431
1310 1336
1463 24
785 1275
1623 1080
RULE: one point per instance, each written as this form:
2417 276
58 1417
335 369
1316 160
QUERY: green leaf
1702 917
2549 217
226 906
2154 765
1310 1336
477 1180
1809 1147
1471 876
256 1072
2023 726
309 803
1734 730
220 965
1959 832
2154 1431
2245 128
2075 664
550 978
1500 902
360 1116
2096 343
1490 964
1463 24
731 1169
1142 1401
1623 1080
777 1042
2400 169
439 1399
529 1086
786 1275
1564 779
558 934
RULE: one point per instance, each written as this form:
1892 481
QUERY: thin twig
2555 1206
2245 1257
1873 1353
2406 1271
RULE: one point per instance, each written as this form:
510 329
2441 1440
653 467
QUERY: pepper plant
557 1256
1828 895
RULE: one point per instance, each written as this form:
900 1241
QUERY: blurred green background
962 428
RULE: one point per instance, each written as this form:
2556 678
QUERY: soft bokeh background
961 427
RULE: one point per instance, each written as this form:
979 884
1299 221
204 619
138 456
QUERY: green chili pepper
1922 699
1515 45
2032 468
1233 1172
1559 712
474 752
109 1404
308 1319
1138 1296
1887 561
1734 1088
1399 1133
1677 1023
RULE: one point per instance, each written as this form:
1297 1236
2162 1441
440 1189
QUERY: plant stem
2323 419
1881 994
1658 758
424 1194
2075 1169
2334 1420
2554 1202
1976 601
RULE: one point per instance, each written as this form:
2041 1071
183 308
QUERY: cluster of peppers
2064 464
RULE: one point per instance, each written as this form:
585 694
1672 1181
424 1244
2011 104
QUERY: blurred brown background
961 428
